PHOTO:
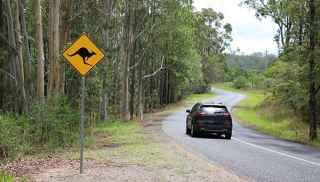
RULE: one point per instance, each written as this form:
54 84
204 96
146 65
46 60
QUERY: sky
249 34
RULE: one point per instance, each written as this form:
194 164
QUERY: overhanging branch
156 72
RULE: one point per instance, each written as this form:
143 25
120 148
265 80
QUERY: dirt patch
111 145
20 168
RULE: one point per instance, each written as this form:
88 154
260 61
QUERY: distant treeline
253 62
248 71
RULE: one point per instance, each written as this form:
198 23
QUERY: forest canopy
157 52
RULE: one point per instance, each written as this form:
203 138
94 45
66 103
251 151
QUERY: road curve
250 154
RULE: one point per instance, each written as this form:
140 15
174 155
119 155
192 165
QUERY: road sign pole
83 86
83 55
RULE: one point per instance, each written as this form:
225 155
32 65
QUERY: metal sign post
83 55
82 118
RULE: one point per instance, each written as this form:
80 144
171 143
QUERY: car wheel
187 130
228 135
193 131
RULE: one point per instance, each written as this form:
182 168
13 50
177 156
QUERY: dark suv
209 118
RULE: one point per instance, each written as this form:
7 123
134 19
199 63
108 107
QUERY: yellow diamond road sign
83 55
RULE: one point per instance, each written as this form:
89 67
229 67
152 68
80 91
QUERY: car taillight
226 114
200 113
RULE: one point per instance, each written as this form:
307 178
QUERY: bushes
45 127
10 132
287 85
240 82
201 88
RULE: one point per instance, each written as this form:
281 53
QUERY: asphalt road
250 154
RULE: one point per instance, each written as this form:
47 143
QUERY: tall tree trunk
19 42
54 86
301 25
140 92
108 7
65 27
15 40
40 51
132 93
133 49
312 73
125 58
12 50
28 63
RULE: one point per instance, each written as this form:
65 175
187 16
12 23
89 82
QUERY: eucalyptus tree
213 37
40 51
298 21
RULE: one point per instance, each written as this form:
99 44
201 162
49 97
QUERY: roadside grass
130 143
269 119
189 100
127 142
193 98
4 177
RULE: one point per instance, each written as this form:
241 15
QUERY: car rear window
212 109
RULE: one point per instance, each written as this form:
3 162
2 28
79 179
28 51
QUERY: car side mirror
188 111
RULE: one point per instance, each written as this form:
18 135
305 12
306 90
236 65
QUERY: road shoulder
152 157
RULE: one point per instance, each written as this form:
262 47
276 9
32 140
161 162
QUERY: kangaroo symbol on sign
85 54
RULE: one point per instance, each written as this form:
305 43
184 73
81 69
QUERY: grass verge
193 98
190 100
272 119
4 177
135 142
127 142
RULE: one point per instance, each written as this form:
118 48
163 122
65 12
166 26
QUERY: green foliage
45 127
295 76
56 122
286 85
145 35
240 82
257 111
192 76
253 62
120 131
212 38
194 98
5 177
213 68
251 67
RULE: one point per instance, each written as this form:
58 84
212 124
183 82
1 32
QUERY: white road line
276 152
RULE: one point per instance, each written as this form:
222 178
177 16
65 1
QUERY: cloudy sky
249 34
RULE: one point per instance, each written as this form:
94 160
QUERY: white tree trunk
40 52
54 44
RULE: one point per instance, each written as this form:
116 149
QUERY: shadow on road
210 136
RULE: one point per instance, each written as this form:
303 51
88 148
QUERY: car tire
187 130
193 132
228 135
